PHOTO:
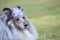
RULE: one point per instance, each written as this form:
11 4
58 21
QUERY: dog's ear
7 11
20 7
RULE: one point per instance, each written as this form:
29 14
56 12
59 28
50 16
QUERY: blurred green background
44 14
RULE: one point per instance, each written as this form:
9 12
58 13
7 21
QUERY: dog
17 25
21 21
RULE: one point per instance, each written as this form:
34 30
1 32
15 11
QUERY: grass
44 14
48 27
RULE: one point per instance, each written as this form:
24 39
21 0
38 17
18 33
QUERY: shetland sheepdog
18 26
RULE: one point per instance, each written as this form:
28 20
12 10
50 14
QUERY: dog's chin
19 28
28 35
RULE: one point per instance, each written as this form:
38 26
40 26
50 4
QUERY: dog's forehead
17 12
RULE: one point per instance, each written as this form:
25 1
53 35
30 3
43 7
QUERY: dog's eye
23 17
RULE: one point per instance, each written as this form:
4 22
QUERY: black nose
25 25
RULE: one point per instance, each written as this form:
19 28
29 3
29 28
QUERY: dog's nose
25 25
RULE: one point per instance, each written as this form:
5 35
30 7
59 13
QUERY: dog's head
18 18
